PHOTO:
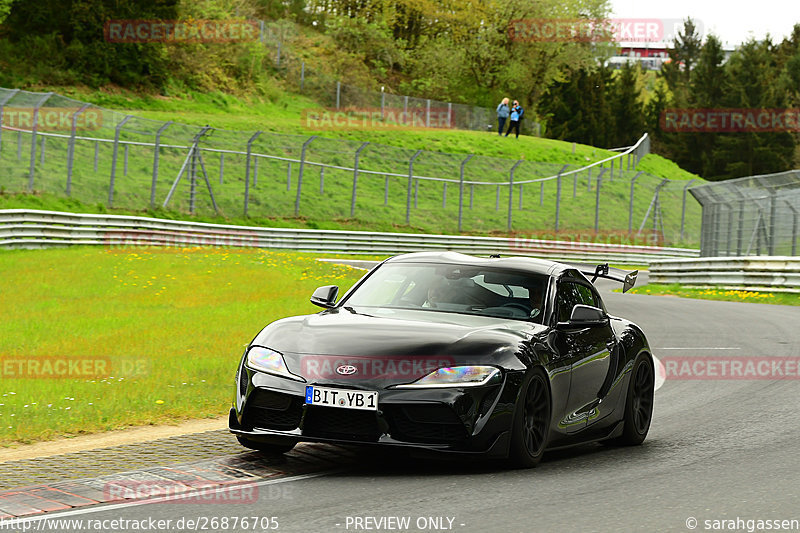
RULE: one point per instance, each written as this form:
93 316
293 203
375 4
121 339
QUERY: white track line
9 523
661 373
700 348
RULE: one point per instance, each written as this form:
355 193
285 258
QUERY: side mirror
325 296
585 315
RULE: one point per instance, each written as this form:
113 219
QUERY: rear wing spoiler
628 279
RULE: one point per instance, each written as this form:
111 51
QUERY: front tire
531 421
639 403
273 447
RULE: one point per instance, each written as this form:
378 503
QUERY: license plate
347 399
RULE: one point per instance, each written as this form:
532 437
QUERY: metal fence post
71 147
511 192
321 179
117 131
355 179
300 174
247 171
611 176
444 195
410 179
34 128
221 167
416 191
289 176
683 206
405 105
794 227
338 93
42 151
383 104
541 193
386 190
739 229
3 103
558 195
773 226
125 160
461 192
302 75
599 182
589 179
630 203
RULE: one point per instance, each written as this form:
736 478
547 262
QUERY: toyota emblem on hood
346 370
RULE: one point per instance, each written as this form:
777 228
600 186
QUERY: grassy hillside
326 196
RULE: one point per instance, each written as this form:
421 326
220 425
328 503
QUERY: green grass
714 293
172 324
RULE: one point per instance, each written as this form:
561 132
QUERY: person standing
516 117
502 114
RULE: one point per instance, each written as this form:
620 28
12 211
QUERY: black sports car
504 357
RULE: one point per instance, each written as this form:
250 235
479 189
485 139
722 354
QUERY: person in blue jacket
502 114
516 117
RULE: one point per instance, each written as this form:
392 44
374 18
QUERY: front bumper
466 420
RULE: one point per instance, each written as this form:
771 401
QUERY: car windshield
453 288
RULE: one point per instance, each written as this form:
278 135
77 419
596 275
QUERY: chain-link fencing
338 95
53 144
756 215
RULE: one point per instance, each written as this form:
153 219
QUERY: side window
587 296
567 297
571 294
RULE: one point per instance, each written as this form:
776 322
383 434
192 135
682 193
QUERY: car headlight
269 361
456 376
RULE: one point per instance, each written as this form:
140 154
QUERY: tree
626 107
71 31
751 84
707 82
579 109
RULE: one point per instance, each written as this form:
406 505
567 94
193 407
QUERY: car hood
428 338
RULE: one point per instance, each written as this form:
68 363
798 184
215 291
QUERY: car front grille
347 424
426 424
272 410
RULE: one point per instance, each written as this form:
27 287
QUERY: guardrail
777 273
24 228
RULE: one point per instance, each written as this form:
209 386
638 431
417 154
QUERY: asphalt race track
717 450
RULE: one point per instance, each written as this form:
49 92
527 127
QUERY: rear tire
639 403
531 421
277 446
